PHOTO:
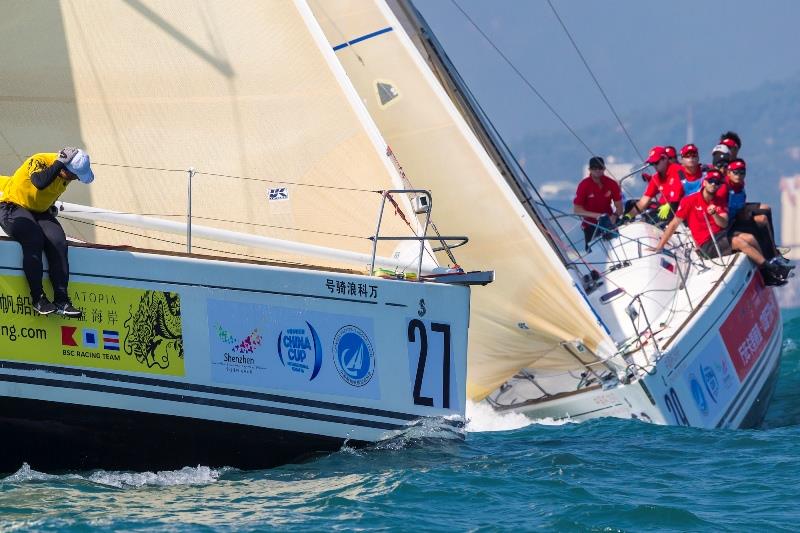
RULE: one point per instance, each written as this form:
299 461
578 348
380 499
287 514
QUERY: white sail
248 93
533 310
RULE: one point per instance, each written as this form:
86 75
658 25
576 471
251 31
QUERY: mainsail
533 315
247 93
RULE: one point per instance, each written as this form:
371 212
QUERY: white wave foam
789 345
482 418
200 475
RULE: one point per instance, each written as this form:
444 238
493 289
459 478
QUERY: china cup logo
300 350
354 356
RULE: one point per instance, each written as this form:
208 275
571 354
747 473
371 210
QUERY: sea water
509 473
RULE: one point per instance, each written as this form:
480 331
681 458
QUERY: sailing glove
66 154
663 211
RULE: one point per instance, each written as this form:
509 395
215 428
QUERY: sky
644 53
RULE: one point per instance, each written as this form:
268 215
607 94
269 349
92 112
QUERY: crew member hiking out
593 200
706 214
664 184
749 217
27 215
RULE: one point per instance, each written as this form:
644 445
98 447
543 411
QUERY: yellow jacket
19 189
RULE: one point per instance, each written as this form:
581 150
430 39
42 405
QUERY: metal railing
423 204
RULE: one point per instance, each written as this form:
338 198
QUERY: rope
524 79
596 82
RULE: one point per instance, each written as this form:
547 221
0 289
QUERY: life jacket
736 201
689 187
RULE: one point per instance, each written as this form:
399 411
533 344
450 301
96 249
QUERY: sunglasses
597 168
739 172
692 155
714 182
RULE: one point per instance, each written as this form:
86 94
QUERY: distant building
789 295
790 215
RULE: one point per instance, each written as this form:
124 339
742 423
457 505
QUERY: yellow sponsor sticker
120 329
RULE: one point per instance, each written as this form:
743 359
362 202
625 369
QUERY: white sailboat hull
718 370
220 363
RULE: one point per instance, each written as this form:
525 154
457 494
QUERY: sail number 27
429 362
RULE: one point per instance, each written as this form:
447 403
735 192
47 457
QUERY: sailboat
666 338
231 343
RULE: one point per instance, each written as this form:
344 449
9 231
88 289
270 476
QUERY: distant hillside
767 119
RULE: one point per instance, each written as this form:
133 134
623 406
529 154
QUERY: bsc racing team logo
354 356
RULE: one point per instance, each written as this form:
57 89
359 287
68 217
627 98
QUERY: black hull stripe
208 389
753 378
95 387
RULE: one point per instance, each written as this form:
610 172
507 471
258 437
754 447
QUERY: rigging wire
254 224
524 79
596 81
179 243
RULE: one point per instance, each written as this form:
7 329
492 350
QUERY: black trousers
37 232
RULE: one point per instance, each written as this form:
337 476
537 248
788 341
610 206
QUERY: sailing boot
774 275
43 306
66 308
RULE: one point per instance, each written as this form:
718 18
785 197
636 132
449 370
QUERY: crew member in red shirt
594 198
706 214
691 173
672 154
665 183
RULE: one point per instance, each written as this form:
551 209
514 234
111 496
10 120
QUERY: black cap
597 162
721 159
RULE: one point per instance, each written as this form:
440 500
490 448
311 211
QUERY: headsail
248 93
533 315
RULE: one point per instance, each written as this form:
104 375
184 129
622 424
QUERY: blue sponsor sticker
710 381
354 356
300 350
697 394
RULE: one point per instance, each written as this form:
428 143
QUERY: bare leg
747 244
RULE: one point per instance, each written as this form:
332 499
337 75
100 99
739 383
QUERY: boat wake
200 475
482 418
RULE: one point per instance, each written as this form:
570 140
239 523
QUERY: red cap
730 143
712 174
670 151
689 149
656 154
737 164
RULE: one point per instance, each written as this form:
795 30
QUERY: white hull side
701 379
289 375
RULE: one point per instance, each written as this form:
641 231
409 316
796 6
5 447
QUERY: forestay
235 89
533 306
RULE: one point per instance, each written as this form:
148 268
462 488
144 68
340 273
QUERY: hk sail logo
300 350
354 356
697 394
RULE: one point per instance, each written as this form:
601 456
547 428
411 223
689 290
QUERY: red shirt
597 198
670 187
693 177
694 210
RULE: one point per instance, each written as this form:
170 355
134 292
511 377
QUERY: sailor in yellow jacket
26 216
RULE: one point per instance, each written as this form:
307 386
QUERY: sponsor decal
697 394
300 350
354 356
111 340
710 380
290 349
749 326
121 328
90 339
277 194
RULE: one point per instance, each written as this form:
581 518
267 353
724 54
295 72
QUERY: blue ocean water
602 475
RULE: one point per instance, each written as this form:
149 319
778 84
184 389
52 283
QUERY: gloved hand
66 154
646 177
627 218
663 211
